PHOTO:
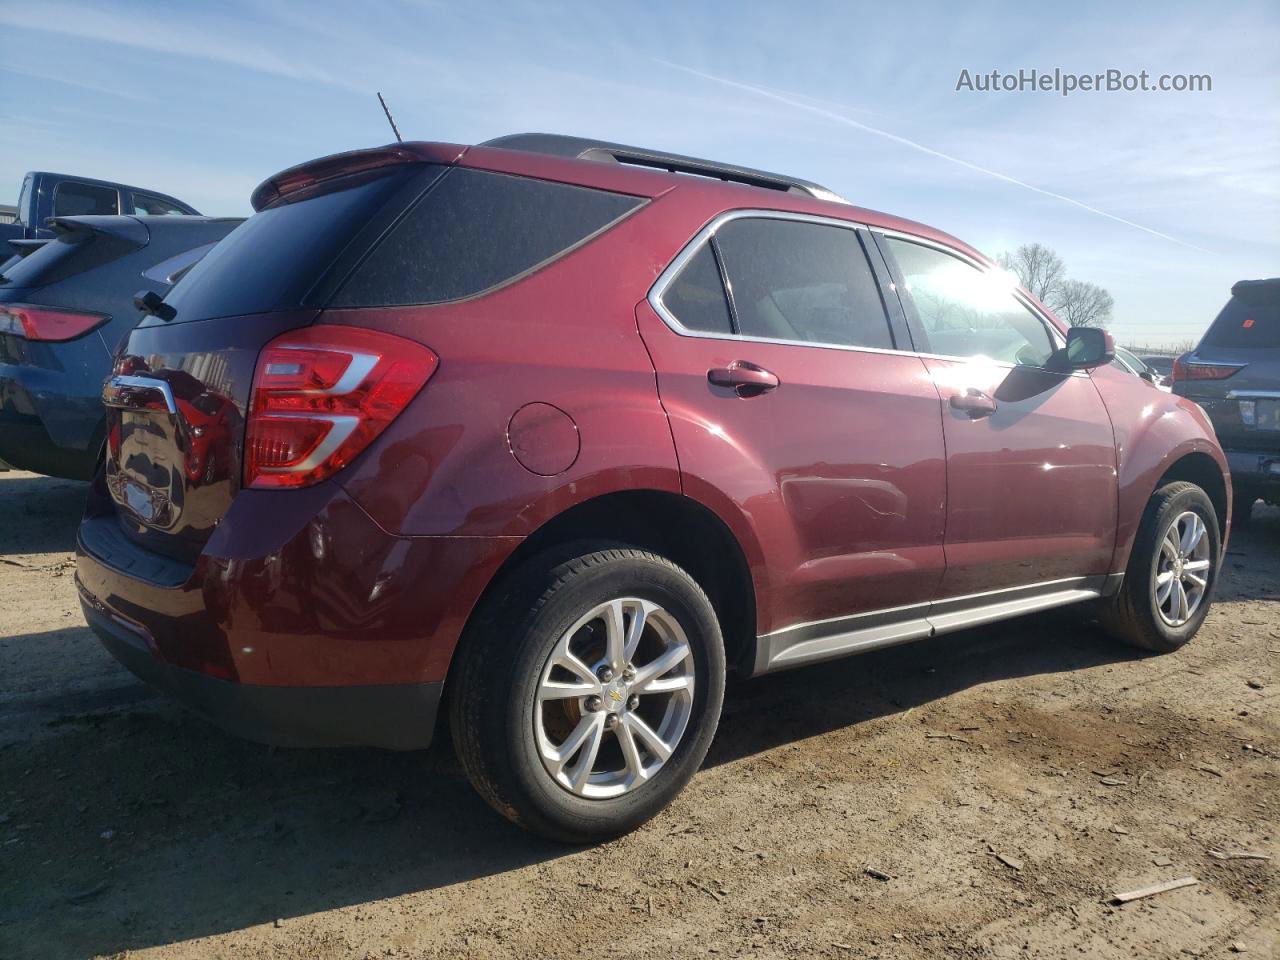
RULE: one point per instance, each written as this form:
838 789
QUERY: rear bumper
45 426
1254 470
302 622
394 716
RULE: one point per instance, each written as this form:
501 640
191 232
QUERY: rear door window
474 231
72 198
801 281
1248 320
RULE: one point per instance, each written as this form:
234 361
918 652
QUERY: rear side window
696 296
144 205
73 199
474 231
273 259
1248 320
793 280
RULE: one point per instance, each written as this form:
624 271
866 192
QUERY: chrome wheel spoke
556 690
1192 534
573 743
681 684
590 750
615 653
1163 591
631 753
660 667
647 736
1195 566
1179 601
635 630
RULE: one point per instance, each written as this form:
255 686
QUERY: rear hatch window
1251 319
274 259
409 235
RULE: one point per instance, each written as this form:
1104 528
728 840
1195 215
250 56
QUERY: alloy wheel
614 698
1182 569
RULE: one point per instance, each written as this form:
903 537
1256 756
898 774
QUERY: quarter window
73 199
474 231
801 281
696 296
967 312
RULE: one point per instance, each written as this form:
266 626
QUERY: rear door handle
746 379
973 403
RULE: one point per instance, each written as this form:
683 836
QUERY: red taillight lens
320 396
47 323
1184 370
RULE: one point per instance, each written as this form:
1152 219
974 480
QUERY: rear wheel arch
674 526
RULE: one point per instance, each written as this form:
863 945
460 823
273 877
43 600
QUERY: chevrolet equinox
549 434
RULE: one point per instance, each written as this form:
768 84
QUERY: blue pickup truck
47 195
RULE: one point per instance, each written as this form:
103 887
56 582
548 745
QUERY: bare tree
1038 269
1082 304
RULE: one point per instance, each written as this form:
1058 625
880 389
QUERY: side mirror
1089 347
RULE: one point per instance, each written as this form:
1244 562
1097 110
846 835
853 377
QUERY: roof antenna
399 139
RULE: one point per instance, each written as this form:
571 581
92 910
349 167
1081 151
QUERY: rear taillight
320 396
47 323
1184 370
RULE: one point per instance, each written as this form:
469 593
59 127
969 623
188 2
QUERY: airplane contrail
866 128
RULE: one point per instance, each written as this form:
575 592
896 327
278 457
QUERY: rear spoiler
25 248
122 228
313 172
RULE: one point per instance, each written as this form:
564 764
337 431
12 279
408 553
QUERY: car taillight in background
47 323
1184 370
321 395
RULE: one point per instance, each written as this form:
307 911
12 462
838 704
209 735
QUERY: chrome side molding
808 643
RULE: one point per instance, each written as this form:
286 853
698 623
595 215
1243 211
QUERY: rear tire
512 715
1147 611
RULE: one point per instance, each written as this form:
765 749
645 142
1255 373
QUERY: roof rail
582 148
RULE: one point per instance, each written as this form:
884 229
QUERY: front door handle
746 379
973 403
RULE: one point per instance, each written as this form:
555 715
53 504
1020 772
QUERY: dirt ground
978 795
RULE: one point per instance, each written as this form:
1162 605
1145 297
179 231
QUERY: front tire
1172 570
587 696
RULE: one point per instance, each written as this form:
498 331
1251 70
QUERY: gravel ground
979 795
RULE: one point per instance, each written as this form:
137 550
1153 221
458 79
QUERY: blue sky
205 100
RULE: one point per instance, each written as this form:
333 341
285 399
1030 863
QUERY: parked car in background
1234 374
63 309
1161 365
1131 363
556 431
46 195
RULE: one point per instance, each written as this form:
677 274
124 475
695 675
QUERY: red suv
551 433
